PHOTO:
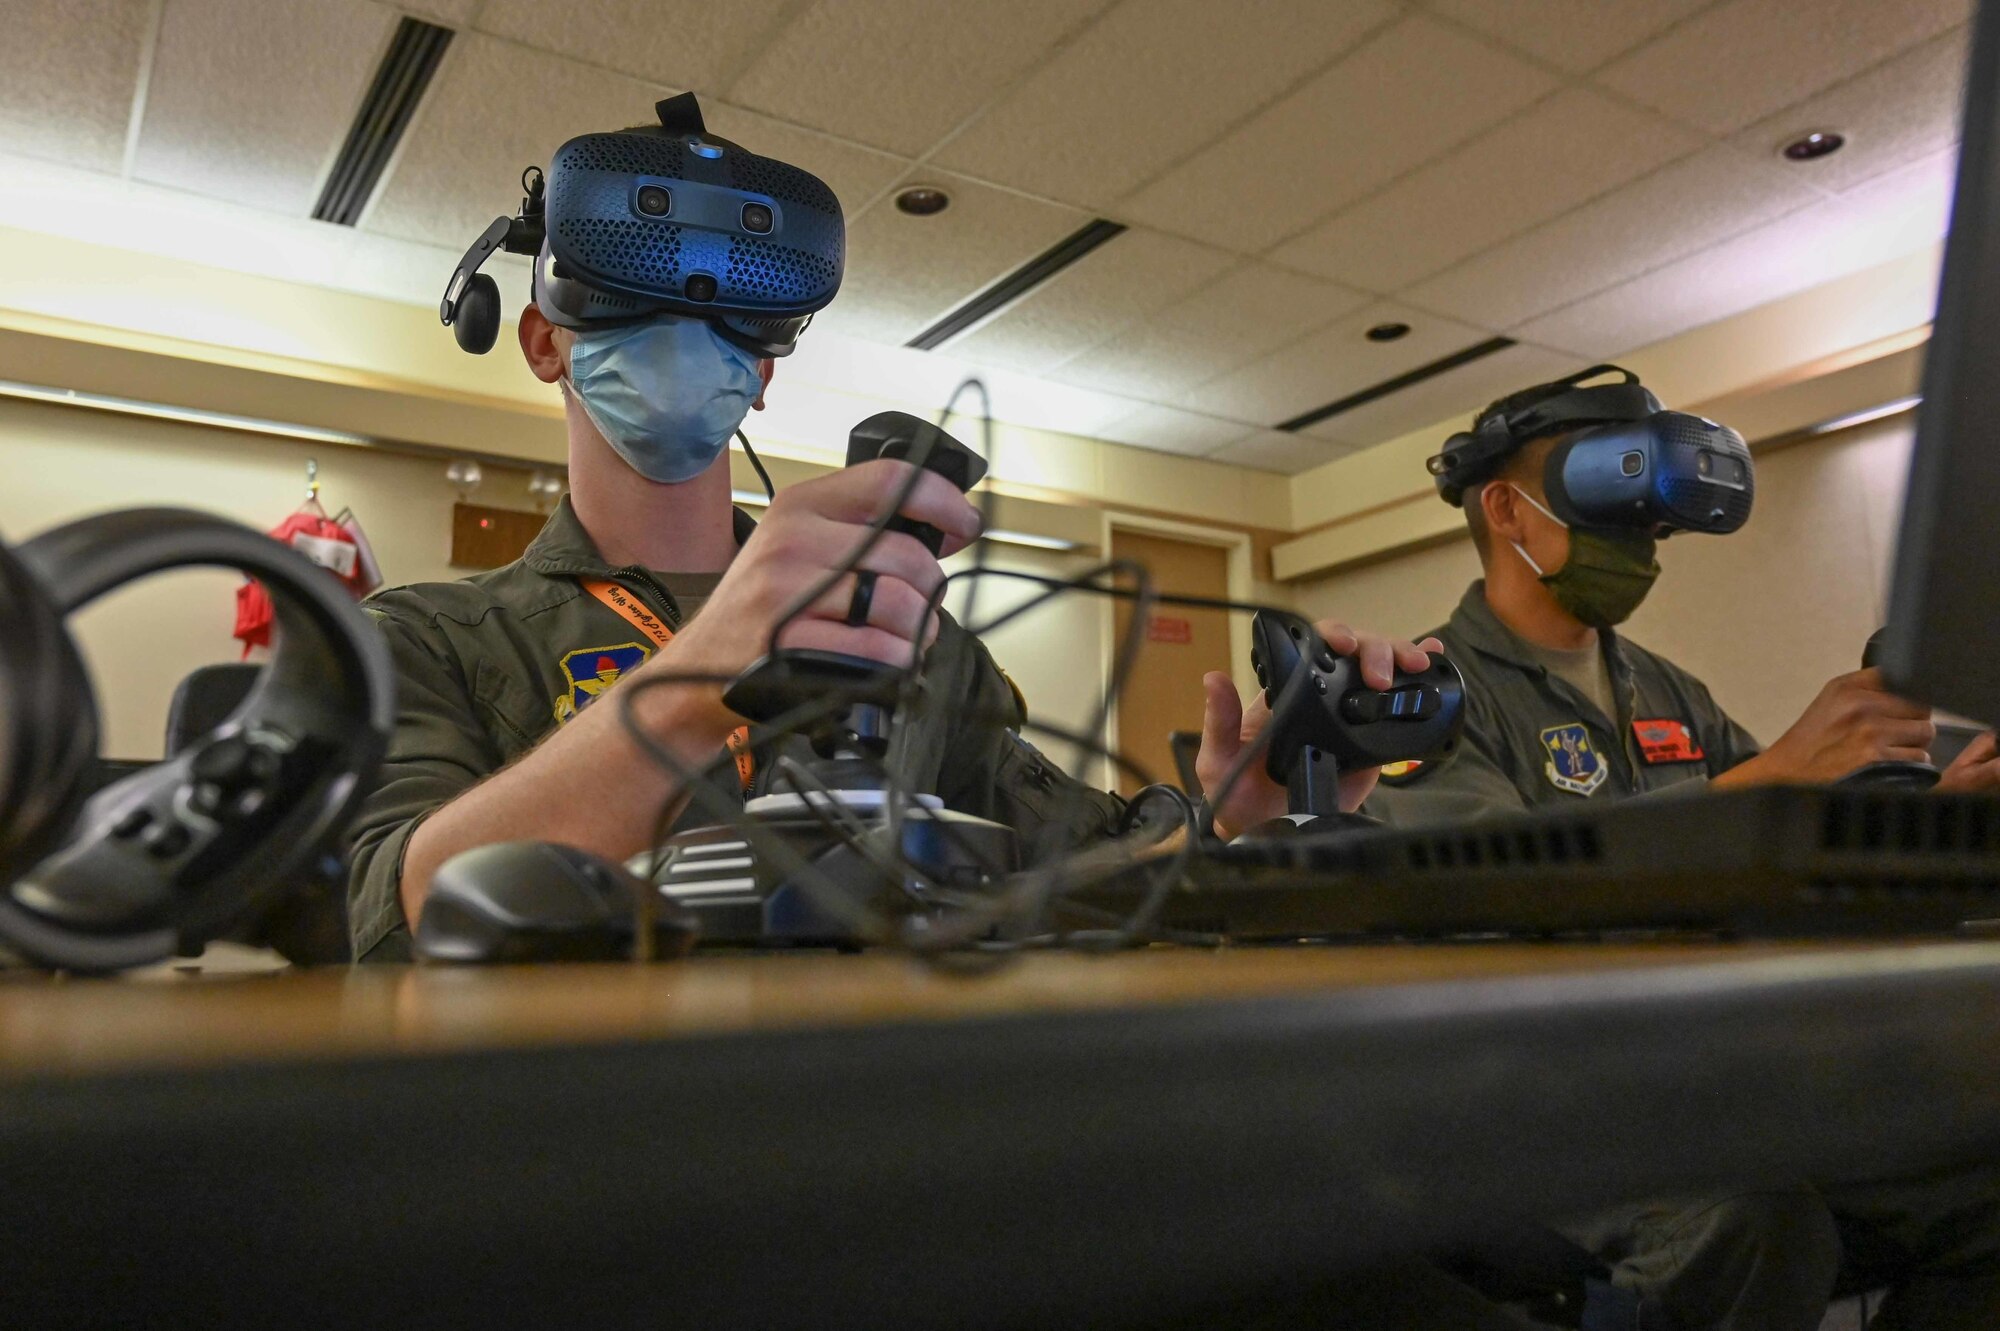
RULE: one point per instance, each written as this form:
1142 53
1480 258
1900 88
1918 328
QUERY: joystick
1892 775
1325 718
836 821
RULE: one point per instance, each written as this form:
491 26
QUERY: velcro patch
1667 741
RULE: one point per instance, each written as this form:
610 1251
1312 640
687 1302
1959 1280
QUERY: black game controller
1332 721
1893 775
907 438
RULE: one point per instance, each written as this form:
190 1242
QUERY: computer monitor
1941 646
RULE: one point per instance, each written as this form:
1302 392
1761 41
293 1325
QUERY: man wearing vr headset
672 268
1567 486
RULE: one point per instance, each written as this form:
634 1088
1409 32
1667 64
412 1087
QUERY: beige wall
62 462
1765 616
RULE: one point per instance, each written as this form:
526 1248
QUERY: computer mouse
525 901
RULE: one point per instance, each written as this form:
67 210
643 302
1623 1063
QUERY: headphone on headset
668 219
176 854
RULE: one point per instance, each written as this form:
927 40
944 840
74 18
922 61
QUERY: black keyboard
1784 861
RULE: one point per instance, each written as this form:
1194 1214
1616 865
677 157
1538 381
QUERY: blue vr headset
637 223
1631 464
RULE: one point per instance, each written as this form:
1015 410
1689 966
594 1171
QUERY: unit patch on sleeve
589 672
1573 764
1667 741
1401 774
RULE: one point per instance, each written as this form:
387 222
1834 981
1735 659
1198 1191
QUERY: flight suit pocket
515 717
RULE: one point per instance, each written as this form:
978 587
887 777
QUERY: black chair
308 925
204 701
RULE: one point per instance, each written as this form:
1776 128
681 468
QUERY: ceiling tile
856 174
67 77
1107 291
1313 371
1402 98
1897 112
1573 146
900 74
1684 207
461 160
903 272
1274 450
1578 35
231 114
1168 430
1448 396
1745 59
1151 82
1890 216
1249 311
683 43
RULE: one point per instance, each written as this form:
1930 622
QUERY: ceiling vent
1017 283
400 80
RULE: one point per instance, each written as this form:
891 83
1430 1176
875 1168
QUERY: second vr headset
1631 463
633 224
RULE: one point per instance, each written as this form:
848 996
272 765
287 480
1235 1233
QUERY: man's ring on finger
863 600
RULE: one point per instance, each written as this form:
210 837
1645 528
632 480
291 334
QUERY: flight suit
489 665
1532 739
1764 1259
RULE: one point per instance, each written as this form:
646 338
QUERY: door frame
1241 582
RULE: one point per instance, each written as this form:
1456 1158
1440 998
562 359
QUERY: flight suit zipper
664 603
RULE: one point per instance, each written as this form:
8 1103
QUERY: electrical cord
757 465
960 929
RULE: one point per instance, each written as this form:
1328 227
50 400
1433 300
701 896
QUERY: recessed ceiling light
1808 147
923 200
1388 332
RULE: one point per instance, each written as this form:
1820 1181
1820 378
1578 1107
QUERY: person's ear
1502 506
765 369
541 346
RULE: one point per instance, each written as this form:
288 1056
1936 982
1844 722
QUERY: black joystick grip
1417 718
1893 775
897 434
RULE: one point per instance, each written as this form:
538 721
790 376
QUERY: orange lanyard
630 609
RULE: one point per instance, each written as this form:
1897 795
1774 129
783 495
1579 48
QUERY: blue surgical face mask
667 394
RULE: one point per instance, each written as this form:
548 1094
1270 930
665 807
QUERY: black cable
757 465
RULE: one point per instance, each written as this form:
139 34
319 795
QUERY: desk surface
821 1141
99 1027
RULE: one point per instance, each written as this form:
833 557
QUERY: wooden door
1163 692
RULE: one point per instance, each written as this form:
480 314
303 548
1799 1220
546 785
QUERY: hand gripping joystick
1325 718
836 822
1889 775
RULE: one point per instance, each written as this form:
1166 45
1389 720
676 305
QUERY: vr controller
1631 464
1324 718
631 225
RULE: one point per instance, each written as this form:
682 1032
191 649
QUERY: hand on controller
1974 771
1853 722
811 528
1228 727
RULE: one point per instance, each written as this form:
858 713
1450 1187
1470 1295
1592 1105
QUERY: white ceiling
1584 176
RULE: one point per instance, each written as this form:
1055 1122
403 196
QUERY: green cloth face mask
1607 575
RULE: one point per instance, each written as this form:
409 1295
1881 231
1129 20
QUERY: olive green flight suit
1532 739
488 666
1766 1260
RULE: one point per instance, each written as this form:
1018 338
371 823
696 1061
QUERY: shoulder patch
1573 765
1401 774
1020 698
589 671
